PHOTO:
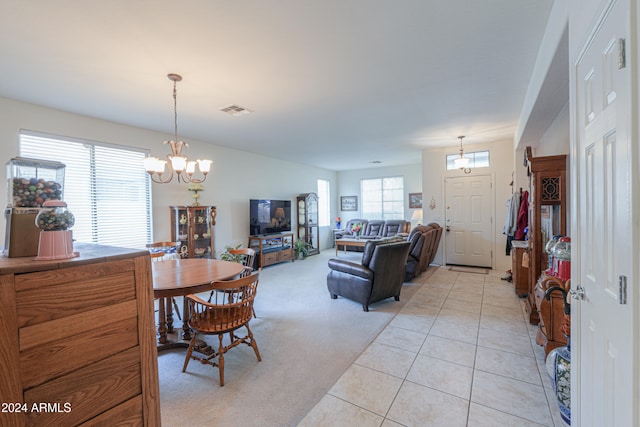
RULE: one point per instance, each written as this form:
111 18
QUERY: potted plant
300 248
226 256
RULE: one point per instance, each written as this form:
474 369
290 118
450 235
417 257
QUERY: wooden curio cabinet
547 216
193 227
308 221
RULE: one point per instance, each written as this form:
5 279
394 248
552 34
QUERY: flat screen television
269 216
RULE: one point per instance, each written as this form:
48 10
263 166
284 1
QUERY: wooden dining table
172 278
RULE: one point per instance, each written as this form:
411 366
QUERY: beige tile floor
460 353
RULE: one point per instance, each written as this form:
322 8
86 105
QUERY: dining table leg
162 322
186 330
169 314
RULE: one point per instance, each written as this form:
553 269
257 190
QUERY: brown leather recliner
436 242
380 275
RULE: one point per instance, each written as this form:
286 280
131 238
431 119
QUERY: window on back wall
382 198
477 159
324 205
105 186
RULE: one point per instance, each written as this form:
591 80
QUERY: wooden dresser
78 340
551 312
519 272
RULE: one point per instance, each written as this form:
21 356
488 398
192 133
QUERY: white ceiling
333 83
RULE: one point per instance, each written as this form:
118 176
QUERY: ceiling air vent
235 110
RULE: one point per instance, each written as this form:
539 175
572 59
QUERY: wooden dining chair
247 258
230 309
158 252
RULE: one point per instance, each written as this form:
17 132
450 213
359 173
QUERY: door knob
577 293
448 228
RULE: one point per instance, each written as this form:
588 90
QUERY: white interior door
468 222
604 336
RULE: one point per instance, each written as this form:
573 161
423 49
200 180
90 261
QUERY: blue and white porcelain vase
558 366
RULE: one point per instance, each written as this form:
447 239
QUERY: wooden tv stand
272 248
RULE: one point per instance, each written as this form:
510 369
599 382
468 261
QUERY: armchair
395 227
373 230
379 276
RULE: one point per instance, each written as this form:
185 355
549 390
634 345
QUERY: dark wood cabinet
308 229
519 271
273 248
551 312
193 226
547 215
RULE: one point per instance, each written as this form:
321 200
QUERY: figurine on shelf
195 188
183 219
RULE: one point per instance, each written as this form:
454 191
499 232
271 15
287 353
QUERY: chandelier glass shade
162 171
462 162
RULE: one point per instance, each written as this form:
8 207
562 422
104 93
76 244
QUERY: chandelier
162 171
462 162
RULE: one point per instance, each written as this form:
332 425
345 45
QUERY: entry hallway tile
481 416
456 331
413 322
458 316
508 364
442 375
504 325
462 305
514 343
333 412
417 405
367 388
511 396
384 358
402 338
454 351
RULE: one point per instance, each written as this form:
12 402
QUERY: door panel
604 338
469 226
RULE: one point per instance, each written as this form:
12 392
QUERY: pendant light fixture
462 162
162 171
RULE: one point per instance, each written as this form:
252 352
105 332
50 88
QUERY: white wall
502 165
236 176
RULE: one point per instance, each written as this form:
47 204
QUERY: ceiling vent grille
236 110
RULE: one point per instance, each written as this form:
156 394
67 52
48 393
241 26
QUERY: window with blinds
324 207
383 198
105 186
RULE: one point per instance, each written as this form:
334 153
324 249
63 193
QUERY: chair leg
175 307
253 343
221 351
189 351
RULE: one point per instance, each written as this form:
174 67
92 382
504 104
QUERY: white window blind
324 207
383 198
105 186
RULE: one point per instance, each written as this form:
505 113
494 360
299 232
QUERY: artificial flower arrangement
356 229
338 222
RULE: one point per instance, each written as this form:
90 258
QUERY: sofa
424 241
374 229
380 275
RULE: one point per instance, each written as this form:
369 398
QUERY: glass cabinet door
308 221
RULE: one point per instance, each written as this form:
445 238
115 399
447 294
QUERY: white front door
604 335
468 223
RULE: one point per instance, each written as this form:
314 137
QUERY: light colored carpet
306 340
